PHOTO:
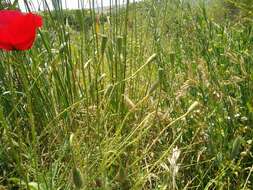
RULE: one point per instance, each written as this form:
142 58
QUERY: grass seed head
71 140
193 106
129 102
154 86
77 178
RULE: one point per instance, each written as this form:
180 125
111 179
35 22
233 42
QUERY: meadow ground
151 95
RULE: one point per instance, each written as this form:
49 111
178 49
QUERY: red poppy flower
17 29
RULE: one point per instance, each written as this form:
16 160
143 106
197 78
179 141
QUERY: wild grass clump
156 95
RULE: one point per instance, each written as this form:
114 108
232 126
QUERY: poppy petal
18 30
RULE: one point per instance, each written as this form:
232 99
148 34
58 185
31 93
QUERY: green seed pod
119 43
236 147
161 74
77 178
103 44
108 90
172 58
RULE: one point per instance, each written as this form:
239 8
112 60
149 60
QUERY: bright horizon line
38 5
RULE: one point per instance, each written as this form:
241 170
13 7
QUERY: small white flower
237 115
244 118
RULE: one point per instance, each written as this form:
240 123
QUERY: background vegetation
150 95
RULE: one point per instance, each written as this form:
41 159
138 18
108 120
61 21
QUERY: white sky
70 4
